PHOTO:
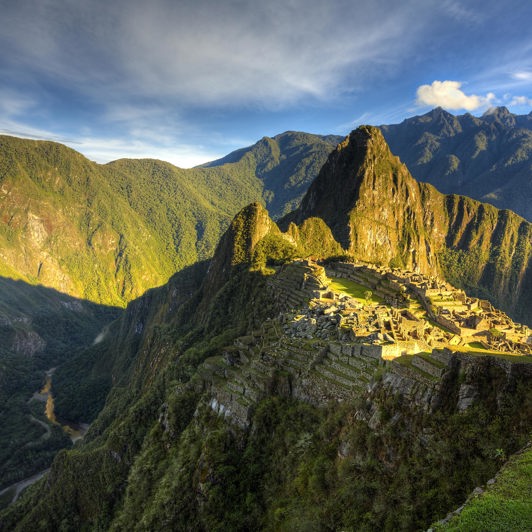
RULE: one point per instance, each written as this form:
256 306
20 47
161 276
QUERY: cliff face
377 211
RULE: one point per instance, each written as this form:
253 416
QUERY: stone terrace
326 346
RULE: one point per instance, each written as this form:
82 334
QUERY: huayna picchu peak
352 354
379 213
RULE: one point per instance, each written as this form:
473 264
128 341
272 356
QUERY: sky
189 81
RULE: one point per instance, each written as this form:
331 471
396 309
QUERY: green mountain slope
107 233
487 158
504 504
222 418
286 164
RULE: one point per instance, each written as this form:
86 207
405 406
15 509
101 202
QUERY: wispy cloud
521 101
461 13
523 75
208 51
181 155
14 103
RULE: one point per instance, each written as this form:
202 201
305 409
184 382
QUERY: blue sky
190 81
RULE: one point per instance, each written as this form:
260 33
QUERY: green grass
353 289
476 349
504 506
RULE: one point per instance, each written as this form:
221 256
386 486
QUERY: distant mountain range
487 158
109 232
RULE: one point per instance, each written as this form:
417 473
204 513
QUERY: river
75 431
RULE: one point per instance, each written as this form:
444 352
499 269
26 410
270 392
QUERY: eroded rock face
28 343
466 396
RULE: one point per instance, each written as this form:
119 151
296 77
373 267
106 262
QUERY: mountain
379 213
488 158
107 233
248 389
286 164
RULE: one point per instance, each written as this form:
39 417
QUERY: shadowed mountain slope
40 329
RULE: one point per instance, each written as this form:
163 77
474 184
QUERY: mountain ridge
488 158
125 221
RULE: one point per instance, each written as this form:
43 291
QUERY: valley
363 351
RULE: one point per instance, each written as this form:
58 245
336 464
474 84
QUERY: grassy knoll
505 505
354 290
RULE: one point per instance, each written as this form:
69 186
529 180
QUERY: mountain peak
500 115
370 202
497 111
237 244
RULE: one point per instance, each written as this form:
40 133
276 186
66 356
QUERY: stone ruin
327 346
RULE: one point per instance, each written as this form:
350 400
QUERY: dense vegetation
297 467
39 329
109 232
157 457
488 158
505 505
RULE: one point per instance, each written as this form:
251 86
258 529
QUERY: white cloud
521 100
449 95
523 75
205 51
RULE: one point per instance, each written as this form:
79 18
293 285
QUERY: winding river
75 431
